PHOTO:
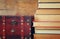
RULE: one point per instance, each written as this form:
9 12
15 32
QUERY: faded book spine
47 27
46 24
48 5
47 31
48 11
48 0
47 18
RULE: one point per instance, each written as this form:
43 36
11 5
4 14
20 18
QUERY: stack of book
49 24
47 19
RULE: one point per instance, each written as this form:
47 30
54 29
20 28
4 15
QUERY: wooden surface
48 11
18 7
46 36
48 5
48 0
27 7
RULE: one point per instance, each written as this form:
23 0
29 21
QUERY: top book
48 11
48 0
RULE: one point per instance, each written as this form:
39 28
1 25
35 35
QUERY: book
48 11
46 24
47 31
48 0
46 36
47 18
48 27
48 5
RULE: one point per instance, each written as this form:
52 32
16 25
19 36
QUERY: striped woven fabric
15 27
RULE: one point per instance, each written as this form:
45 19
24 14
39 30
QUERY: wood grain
27 7
19 7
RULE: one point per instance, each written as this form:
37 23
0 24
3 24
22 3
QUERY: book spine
47 31
46 24
47 17
47 11
48 0
47 27
49 5
46 36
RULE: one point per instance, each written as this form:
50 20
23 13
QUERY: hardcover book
48 11
48 5
46 24
48 27
48 0
47 18
47 31
46 36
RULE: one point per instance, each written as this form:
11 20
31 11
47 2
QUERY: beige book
49 5
46 24
48 11
48 27
47 17
47 31
46 36
48 0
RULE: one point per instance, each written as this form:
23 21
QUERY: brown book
47 18
48 0
48 5
46 36
48 11
48 27
46 24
